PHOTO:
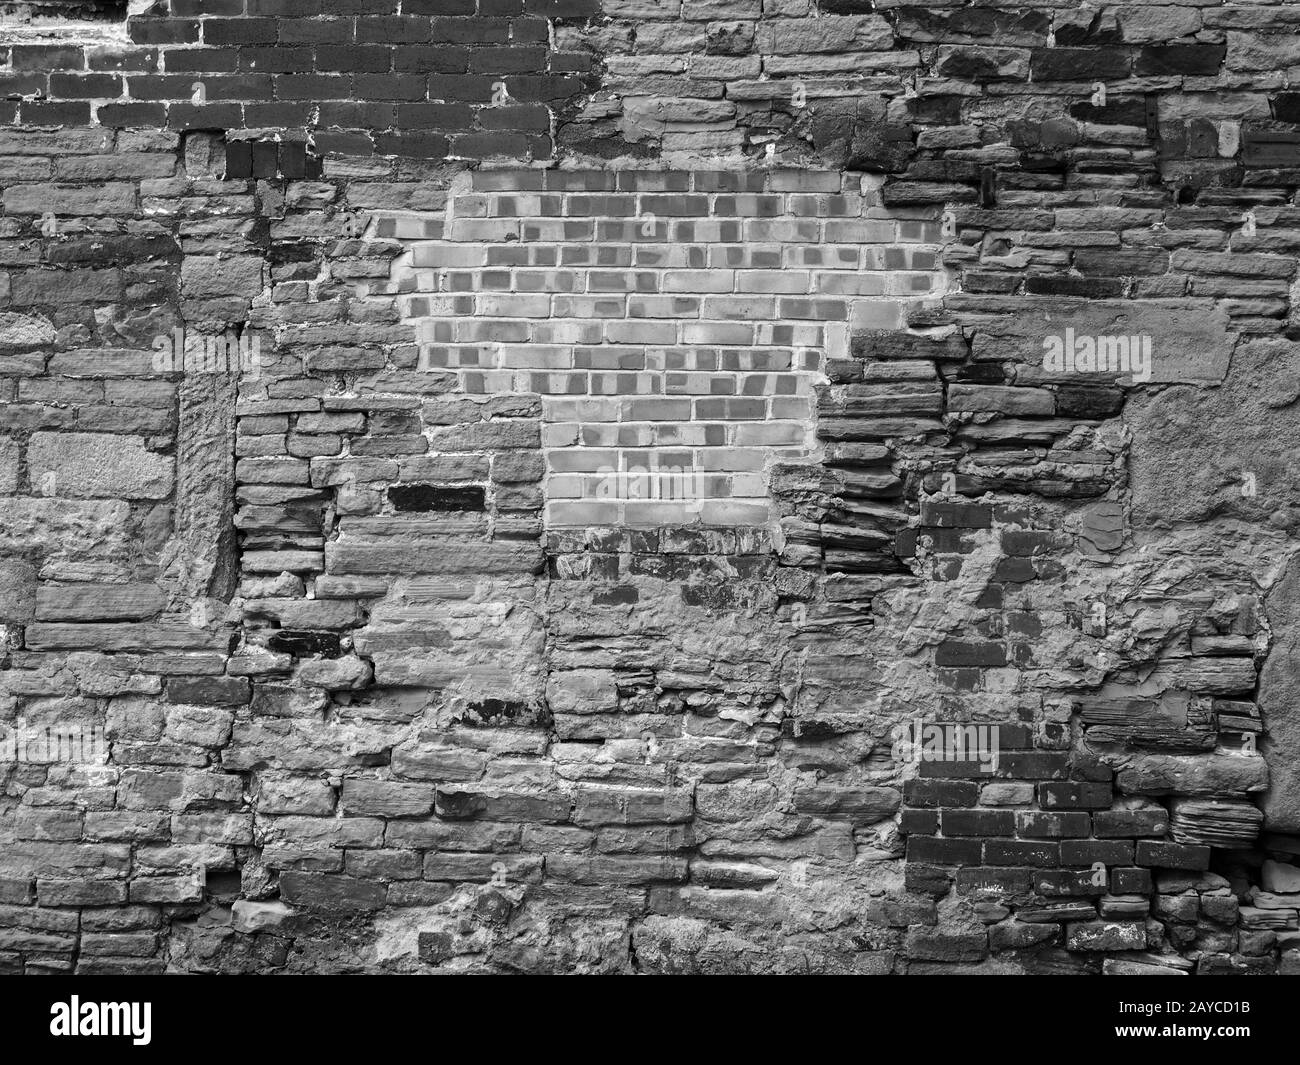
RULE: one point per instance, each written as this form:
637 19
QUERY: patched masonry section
674 324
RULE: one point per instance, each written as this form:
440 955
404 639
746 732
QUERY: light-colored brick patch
674 324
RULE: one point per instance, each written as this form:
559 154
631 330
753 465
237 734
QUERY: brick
1172 855
1021 853
930 793
1130 881
978 822
1064 795
994 880
1087 852
928 849
1058 883
1115 823
1035 824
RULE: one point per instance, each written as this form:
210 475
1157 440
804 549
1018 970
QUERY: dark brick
284 115
1110 824
286 8
438 59
265 159
349 115
344 143
122 58
1074 796
280 60
945 768
389 87
562 8
393 29
349 57
238 87
469 88
28 83
1038 825
1186 59
1004 879
85 86
484 145
944 851
1089 851
207 7
1130 881
923 879
483 31
978 822
443 7
55 114
1054 883
202 60
940 793
434 116
1084 287
420 497
237 31
524 117
297 163
46 57
128 116
544 87
920 822
418 145
1021 852
239 159
160 86
317 31
1033 765
1172 855
511 60
313 86
205 116
934 944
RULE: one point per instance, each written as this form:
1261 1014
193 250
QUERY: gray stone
98 466
17 591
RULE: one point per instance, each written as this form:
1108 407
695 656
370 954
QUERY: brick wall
674 324
444 78
392 678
